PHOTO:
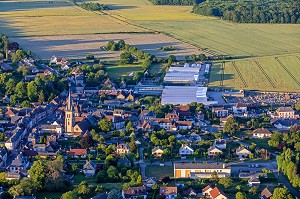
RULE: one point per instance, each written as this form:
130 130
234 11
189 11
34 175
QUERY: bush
90 56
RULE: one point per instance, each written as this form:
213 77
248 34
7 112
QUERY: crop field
78 46
218 36
279 73
55 17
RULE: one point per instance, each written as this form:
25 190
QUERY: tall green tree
37 174
231 126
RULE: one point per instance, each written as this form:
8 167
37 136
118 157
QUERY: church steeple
69 101
69 115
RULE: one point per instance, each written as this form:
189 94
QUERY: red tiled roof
215 192
77 152
206 188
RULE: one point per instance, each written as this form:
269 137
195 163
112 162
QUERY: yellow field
37 17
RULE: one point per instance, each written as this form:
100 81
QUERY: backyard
159 171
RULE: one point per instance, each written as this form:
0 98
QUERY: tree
18 56
226 182
26 187
86 142
32 91
171 59
41 97
280 193
25 104
129 127
297 106
240 195
37 174
2 136
202 57
69 195
83 188
21 89
214 176
75 168
231 126
253 190
114 194
90 56
112 172
126 58
10 86
105 125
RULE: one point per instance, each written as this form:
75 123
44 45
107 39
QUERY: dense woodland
177 2
265 11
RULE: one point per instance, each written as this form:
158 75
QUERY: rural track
287 70
240 74
298 57
265 74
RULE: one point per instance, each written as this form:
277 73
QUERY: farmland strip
287 70
222 74
239 74
265 74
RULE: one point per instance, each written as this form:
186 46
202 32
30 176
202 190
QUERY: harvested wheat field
78 46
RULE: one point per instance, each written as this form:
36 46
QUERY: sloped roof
261 131
266 193
168 190
215 192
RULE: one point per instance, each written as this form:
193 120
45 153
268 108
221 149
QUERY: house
157 152
184 125
77 153
150 182
89 169
242 152
200 170
266 194
224 120
216 193
3 157
123 148
220 112
213 151
147 115
206 190
124 161
284 113
239 108
6 67
100 196
134 193
19 163
183 111
191 193
172 117
286 124
254 181
220 143
261 133
168 192
186 150
162 123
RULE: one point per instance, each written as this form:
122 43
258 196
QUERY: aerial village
176 138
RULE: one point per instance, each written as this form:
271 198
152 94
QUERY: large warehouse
182 75
183 95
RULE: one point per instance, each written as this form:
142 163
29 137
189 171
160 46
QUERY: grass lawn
158 171
261 143
93 181
118 71
48 195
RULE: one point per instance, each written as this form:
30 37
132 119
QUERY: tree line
176 2
277 11
93 6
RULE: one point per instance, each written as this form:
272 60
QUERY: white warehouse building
183 95
182 75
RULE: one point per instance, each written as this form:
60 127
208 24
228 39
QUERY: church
77 121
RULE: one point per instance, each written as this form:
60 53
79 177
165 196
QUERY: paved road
287 184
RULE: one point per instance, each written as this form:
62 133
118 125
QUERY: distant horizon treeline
177 2
243 11
264 11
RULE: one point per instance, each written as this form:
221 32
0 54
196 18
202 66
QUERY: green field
117 71
281 73
158 171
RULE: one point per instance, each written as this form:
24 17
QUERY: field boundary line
239 74
265 74
287 70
